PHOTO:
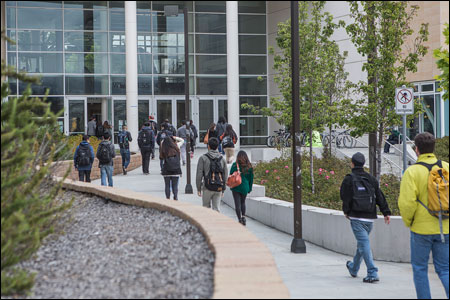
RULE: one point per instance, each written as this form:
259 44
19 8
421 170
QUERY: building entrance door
208 110
75 116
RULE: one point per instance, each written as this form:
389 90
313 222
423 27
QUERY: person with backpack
92 127
221 128
423 204
124 139
361 193
83 159
183 133
107 128
194 138
212 174
229 139
241 168
170 127
105 155
154 127
146 142
210 133
171 168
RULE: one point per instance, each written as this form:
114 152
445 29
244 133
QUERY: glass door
76 119
164 110
205 117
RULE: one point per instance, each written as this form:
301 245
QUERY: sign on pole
404 101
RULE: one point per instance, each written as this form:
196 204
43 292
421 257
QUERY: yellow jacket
415 185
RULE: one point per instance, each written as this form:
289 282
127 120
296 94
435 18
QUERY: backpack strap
430 166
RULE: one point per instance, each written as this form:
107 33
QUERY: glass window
144 43
12 59
437 86
117 5
253 126
161 23
118 85
143 112
117 40
11 17
52 82
12 35
168 43
211 85
144 64
210 6
120 113
143 6
211 64
40 40
56 104
252 24
87 85
252 44
256 65
206 43
76 116
256 101
428 87
41 62
116 20
209 23
159 5
164 64
56 4
45 19
86 4
77 41
117 63
145 85
253 85
253 141
76 19
169 85
10 3
144 22
88 63
429 118
252 7
12 85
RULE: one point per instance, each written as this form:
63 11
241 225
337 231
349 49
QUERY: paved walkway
318 274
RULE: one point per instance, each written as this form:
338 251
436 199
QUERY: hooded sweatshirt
91 156
203 168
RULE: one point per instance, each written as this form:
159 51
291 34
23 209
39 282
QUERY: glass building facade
78 50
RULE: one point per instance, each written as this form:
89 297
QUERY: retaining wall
328 228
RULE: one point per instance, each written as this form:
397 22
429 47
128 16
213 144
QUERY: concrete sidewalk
319 273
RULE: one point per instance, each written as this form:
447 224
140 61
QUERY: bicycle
282 138
328 138
344 138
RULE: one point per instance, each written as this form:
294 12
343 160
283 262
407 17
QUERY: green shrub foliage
30 142
441 150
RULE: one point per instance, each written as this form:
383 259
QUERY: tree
442 62
379 31
31 142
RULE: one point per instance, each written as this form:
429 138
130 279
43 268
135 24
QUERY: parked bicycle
341 139
282 138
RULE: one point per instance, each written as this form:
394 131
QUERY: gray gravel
112 250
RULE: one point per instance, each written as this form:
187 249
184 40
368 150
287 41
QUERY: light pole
298 244
172 10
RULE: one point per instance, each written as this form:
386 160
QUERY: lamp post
298 244
172 10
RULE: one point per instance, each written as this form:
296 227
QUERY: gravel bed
111 250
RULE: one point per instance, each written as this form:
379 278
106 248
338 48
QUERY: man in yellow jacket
425 228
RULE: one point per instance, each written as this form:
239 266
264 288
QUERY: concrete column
233 66
105 110
131 72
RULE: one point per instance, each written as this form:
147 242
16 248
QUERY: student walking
212 174
229 139
194 139
210 133
146 142
361 193
124 139
423 204
171 168
245 168
107 128
83 159
105 155
221 128
92 127
154 127
183 133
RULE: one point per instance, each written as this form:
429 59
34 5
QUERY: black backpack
146 138
227 141
214 181
123 139
364 199
84 156
171 166
104 154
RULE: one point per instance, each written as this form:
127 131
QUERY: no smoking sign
404 101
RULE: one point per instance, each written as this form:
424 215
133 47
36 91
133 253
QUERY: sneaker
370 279
244 221
348 268
124 171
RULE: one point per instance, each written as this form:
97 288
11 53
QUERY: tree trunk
311 167
379 153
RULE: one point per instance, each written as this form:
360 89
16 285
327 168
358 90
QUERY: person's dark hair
166 121
106 125
169 148
425 142
183 122
222 120
191 122
106 136
229 130
147 124
243 161
212 126
213 143
85 137
163 126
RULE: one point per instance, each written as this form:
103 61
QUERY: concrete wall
328 228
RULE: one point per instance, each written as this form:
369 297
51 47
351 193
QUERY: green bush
276 176
441 150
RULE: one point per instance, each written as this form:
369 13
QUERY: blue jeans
125 153
362 230
421 246
107 171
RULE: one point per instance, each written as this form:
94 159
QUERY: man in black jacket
361 193
146 142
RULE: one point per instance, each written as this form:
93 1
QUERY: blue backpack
123 139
